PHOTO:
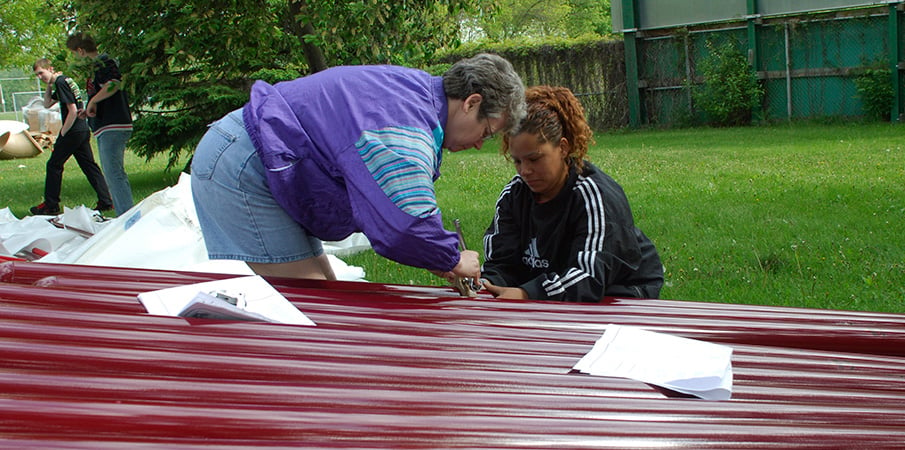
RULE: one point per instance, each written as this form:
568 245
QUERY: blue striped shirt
403 162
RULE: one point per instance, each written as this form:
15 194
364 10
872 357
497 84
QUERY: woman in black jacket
563 229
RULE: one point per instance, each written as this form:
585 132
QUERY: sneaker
101 207
44 210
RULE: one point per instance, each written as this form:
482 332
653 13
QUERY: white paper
260 297
689 366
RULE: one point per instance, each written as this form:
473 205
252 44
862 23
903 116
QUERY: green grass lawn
807 215
794 216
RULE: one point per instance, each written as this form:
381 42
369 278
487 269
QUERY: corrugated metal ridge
420 367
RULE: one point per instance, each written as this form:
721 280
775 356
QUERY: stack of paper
241 298
683 365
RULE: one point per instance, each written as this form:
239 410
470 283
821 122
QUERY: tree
31 29
187 63
590 17
539 19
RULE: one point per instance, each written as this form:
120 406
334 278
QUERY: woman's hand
505 292
468 267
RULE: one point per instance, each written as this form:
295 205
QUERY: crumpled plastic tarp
160 232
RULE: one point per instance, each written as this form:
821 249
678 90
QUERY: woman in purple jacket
348 149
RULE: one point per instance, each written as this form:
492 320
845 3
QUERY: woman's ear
473 101
565 147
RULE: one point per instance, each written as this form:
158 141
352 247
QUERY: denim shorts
238 215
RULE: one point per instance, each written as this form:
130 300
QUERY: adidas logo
532 257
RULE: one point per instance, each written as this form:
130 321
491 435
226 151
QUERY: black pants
78 144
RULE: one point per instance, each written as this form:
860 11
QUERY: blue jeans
238 215
111 146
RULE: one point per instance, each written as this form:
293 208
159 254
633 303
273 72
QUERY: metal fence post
788 55
752 19
630 29
895 50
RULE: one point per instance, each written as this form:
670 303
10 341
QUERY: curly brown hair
554 113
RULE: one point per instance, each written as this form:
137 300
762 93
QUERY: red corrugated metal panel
419 367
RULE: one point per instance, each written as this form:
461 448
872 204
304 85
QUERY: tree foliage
31 29
187 63
534 19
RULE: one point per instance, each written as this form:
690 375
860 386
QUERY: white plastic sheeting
160 232
35 237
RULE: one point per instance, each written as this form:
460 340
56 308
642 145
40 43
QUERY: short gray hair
493 77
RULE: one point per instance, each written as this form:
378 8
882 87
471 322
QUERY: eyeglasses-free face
542 166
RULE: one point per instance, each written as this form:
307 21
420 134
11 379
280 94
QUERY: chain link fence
12 89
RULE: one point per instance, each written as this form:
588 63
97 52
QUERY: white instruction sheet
253 294
689 366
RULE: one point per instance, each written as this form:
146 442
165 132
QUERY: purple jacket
358 148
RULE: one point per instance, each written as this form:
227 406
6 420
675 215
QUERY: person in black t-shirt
74 140
108 116
563 229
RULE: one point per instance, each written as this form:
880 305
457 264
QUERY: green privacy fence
807 53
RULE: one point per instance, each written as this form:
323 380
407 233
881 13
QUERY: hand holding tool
467 287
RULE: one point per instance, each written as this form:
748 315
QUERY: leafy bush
874 86
730 91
